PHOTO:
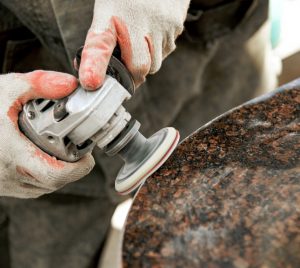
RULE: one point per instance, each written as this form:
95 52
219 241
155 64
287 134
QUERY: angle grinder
71 127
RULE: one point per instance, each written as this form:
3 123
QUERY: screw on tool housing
31 115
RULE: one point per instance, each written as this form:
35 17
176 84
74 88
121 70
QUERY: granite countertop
229 196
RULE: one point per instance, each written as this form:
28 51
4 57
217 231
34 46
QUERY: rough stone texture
229 196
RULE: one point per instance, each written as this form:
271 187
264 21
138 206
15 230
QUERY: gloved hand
145 31
25 170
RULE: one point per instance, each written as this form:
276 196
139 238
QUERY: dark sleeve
206 4
209 20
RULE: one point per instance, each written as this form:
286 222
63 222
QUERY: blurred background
285 38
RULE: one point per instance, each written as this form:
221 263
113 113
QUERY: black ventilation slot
48 106
84 145
62 118
66 141
39 101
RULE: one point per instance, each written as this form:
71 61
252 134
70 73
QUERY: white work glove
25 170
145 31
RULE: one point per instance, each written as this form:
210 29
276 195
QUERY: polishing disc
155 152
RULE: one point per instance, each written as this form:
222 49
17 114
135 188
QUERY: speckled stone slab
229 196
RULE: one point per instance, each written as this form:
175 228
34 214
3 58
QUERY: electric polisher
71 127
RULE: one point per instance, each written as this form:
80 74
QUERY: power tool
71 127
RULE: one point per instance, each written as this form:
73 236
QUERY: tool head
71 127
143 157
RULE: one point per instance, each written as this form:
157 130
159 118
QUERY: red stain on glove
97 52
95 57
24 172
47 85
139 73
50 85
51 160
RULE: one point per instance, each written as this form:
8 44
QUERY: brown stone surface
229 196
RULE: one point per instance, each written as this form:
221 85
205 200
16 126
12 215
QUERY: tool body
71 127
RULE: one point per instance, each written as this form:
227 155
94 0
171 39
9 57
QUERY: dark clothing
200 80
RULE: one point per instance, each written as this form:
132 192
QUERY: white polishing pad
168 140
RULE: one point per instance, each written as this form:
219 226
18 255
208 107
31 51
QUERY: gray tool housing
71 127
